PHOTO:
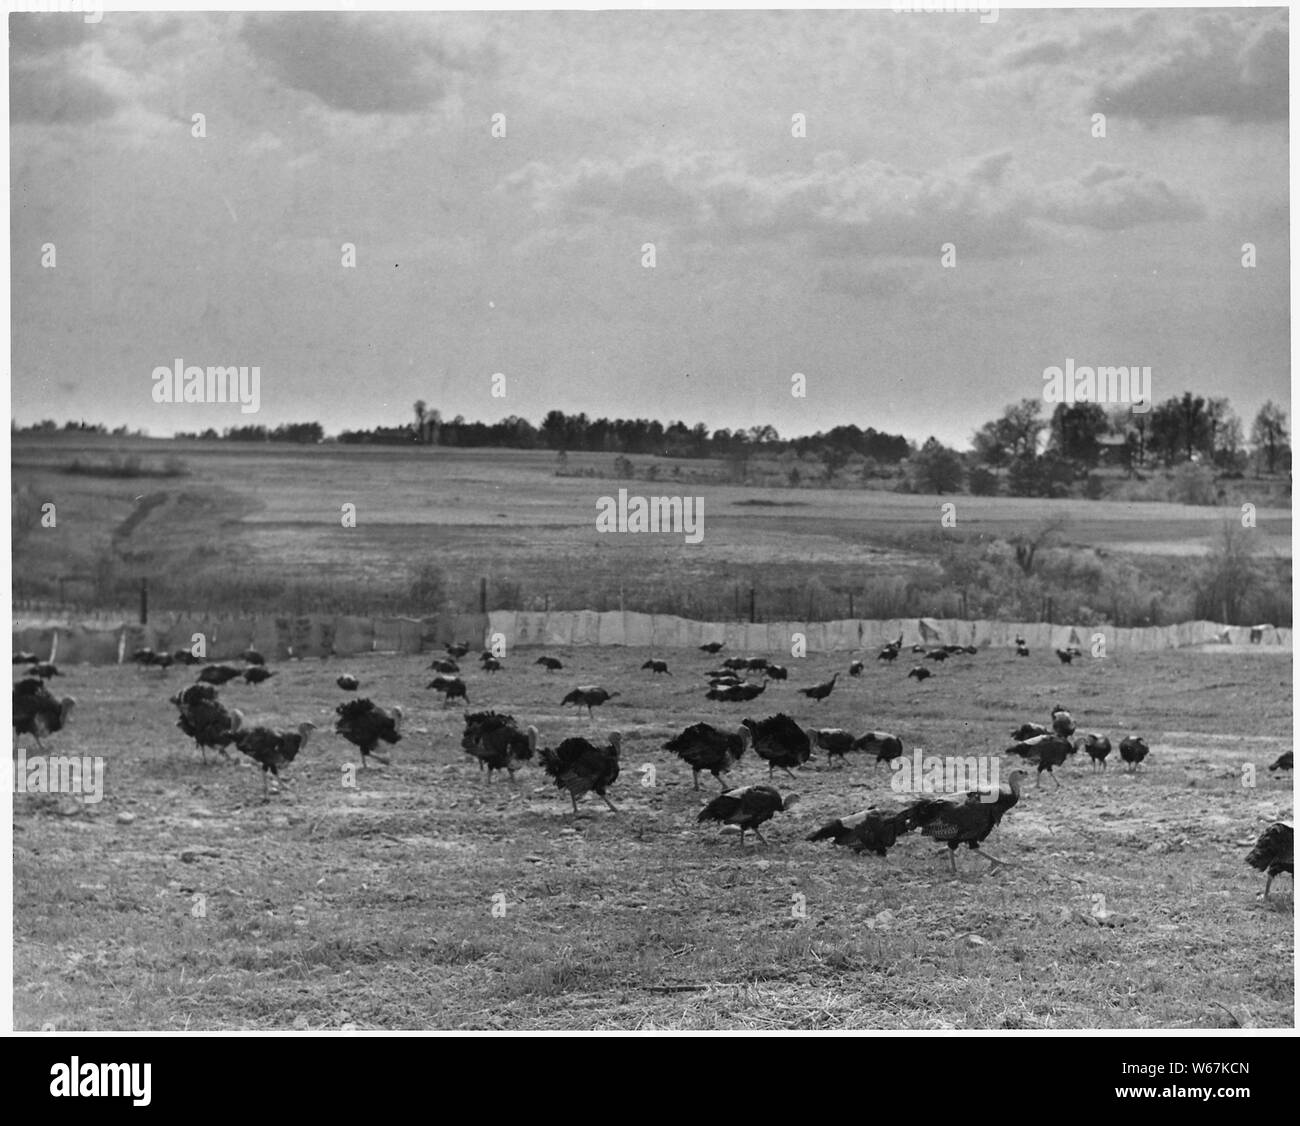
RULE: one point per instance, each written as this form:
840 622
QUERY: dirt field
425 898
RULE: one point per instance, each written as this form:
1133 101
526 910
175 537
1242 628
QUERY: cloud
50 91
371 64
1222 67
35 34
845 208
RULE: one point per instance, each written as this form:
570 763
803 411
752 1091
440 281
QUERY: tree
936 469
1075 430
1028 544
420 409
1022 425
1269 435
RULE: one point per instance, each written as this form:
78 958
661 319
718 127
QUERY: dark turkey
497 742
37 711
748 807
822 690
591 695
779 741
1285 761
581 767
657 667
550 663
1097 746
965 818
365 725
1045 752
870 830
835 741
887 747
218 674
704 747
206 720
272 749
1274 852
920 672
1133 749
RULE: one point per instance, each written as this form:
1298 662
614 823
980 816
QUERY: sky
523 254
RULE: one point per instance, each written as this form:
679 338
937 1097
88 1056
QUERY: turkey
1133 749
1029 731
497 743
364 724
729 680
711 647
272 749
218 674
937 655
657 667
457 651
855 668
748 807
779 741
451 687
736 693
43 670
590 695
1022 650
1044 752
703 747
756 664
257 674
580 767
550 663
835 741
1285 761
147 658
1097 746
736 664
1274 852
22 657
888 653
1062 722
1066 655
348 682
206 720
968 818
445 666
184 657
870 830
37 711
822 690
887 747
252 657
777 672
491 664
920 672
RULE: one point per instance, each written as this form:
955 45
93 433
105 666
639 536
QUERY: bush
428 590
983 482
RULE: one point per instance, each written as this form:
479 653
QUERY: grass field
182 901
259 527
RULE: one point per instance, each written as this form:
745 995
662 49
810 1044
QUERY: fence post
751 605
482 596
144 601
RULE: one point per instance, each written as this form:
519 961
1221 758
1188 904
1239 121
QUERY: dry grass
373 906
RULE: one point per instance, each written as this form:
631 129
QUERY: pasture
423 897
258 526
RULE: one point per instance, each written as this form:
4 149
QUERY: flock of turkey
579 767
